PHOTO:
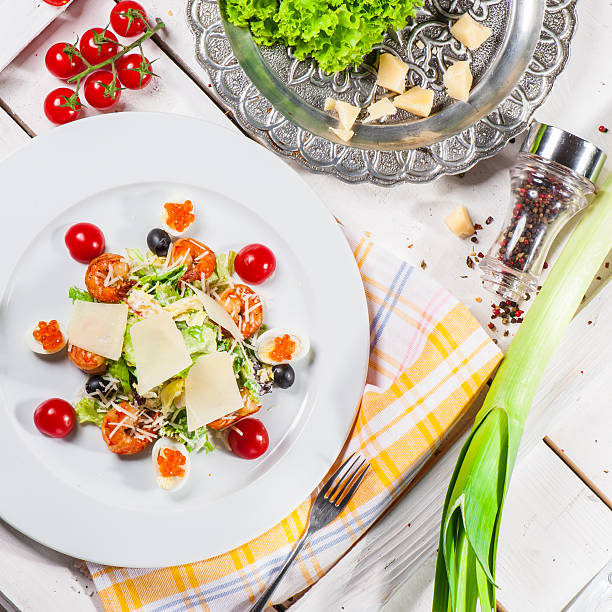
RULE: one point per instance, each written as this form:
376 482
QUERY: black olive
96 383
284 376
159 241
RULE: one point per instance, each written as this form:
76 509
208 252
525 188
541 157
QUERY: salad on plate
173 342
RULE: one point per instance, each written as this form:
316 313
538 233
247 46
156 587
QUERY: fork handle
260 604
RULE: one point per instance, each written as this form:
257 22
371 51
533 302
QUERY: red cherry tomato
85 241
133 71
124 18
248 438
55 417
255 263
62 105
61 60
102 89
98 44
57 2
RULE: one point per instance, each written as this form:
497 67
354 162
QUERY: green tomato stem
111 60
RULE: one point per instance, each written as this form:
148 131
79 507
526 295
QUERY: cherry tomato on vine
85 241
62 60
55 417
248 438
102 89
97 45
62 105
57 2
128 18
134 71
255 263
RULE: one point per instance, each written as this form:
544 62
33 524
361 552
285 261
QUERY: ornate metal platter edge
235 92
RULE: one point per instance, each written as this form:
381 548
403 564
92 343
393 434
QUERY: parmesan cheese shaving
458 81
159 351
344 135
98 327
392 73
217 314
416 100
211 390
469 32
380 109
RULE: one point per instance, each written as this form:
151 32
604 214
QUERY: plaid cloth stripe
429 359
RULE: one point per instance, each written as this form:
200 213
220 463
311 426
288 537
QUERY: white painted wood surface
398 217
22 21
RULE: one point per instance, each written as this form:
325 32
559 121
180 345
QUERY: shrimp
106 278
244 306
250 406
200 260
89 362
125 431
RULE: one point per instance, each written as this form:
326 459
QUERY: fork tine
345 482
351 491
333 477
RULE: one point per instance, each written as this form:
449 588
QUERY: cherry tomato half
61 60
102 89
124 18
85 241
97 45
62 106
57 2
255 263
248 438
55 417
133 71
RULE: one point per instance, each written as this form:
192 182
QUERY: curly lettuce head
335 33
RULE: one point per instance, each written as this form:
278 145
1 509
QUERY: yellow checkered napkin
429 358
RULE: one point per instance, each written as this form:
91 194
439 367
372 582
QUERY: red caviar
170 462
49 335
284 347
179 215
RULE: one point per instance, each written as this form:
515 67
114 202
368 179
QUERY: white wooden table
557 529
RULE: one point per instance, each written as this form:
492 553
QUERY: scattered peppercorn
463 276
489 220
474 239
481 255
506 334
423 264
478 299
545 266
603 129
607 264
589 322
491 326
598 278
477 226
469 263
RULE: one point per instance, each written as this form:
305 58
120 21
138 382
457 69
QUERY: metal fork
329 503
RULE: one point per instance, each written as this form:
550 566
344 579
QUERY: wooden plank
12 137
555 536
21 22
596 595
34 577
25 82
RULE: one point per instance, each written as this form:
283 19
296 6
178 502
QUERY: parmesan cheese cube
416 100
347 113
458 81
392 73
379 109
469 32
342 134
459 222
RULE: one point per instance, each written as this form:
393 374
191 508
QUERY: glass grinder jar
554 173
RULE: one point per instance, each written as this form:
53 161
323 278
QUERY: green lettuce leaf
87 412
166 294
336 34
195 440
119 370
74 293
200 339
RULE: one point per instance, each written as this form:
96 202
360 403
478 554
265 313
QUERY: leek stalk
465 569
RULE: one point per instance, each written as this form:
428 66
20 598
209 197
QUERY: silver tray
281 104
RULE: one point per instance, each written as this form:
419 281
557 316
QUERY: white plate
73 494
